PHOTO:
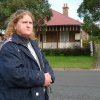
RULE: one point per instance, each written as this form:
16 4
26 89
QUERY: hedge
67 51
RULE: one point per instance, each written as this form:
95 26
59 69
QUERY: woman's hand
48 79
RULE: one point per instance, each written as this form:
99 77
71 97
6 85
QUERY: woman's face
24 26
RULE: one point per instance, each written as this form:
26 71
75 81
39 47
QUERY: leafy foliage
90 11
40 9
90 8
67 51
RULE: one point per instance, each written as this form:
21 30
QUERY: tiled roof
61 19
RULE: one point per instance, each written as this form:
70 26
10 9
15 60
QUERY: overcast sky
72 4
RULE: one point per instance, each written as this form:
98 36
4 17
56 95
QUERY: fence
98 56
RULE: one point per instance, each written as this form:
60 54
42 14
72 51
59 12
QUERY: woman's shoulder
7 44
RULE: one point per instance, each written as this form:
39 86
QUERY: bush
67 52
85 43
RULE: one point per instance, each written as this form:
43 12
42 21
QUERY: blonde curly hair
14 18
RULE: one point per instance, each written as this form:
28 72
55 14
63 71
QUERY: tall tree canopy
90 8
90 11
40 9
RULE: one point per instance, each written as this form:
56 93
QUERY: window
64 37
77 36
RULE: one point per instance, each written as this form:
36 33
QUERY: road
76 85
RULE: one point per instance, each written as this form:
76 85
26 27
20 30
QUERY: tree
90 8
40 9
90 11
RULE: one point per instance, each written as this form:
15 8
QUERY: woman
25 74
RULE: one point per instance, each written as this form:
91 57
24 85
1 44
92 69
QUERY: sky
72 4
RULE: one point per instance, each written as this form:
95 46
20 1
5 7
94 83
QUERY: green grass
82 62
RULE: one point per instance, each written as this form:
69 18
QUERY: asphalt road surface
76 85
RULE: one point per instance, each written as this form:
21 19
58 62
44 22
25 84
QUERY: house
61 32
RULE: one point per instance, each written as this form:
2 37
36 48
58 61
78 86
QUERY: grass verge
82 62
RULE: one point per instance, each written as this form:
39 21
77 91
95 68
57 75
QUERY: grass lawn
83 62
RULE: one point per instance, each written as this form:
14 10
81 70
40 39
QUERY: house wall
52 36
54 40
53 45
71 36
84 35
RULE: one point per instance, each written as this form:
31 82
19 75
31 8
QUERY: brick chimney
65 9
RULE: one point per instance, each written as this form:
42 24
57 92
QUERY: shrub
67 52
85 43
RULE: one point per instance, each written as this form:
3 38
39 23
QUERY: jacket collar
19 39
23 41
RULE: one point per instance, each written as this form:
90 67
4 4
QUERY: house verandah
61 31
64 36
